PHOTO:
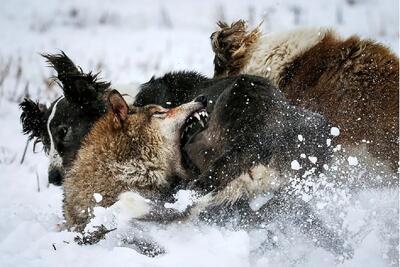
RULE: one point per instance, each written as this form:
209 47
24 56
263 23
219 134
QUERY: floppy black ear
82 89
32 118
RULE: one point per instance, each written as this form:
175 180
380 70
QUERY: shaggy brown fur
353 82
138 152
231 45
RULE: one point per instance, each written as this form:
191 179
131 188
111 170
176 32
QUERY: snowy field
131 41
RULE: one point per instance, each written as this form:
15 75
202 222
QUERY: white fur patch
274 51
260 179
132 205
55 159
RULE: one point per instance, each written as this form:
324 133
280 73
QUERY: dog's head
170 90
63 125
154 131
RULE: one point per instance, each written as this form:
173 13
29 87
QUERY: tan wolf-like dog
128 149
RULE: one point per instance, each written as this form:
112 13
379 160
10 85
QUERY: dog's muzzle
55 177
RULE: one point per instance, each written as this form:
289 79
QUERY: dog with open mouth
255 142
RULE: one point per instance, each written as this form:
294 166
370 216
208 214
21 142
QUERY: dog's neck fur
130 155
271 53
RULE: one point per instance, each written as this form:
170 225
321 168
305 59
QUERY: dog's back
353 82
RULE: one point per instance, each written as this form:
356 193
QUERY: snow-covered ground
131 41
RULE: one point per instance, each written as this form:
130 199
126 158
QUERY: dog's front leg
230 165
302 216
140 208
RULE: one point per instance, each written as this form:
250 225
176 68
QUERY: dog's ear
82 89
33 118
118 105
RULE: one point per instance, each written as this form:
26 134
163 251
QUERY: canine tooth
197 115
202 123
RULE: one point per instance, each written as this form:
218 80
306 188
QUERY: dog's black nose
55 177
202 99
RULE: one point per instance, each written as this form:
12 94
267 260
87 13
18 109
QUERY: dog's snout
202 99
55 177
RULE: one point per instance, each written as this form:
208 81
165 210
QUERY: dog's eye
159 114
62 132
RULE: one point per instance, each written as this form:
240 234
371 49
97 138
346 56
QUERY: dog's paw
133 205
230 45
201 204
228 36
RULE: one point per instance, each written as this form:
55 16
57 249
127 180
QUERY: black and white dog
255 142
62 126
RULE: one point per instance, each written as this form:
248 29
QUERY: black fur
251 124
81 89
185 86
83 103
33 119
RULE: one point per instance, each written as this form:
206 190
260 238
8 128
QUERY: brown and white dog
353 82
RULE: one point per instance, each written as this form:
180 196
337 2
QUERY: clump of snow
97 197
131 205
313 159
328 142
295 165
353 161
184 199
300 137
335 131
337 148
259 201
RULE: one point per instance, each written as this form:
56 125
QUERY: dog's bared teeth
197 116
202 123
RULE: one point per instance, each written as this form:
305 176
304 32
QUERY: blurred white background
133 40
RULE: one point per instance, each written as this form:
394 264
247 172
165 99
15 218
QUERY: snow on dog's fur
246 149
128 149
353 82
